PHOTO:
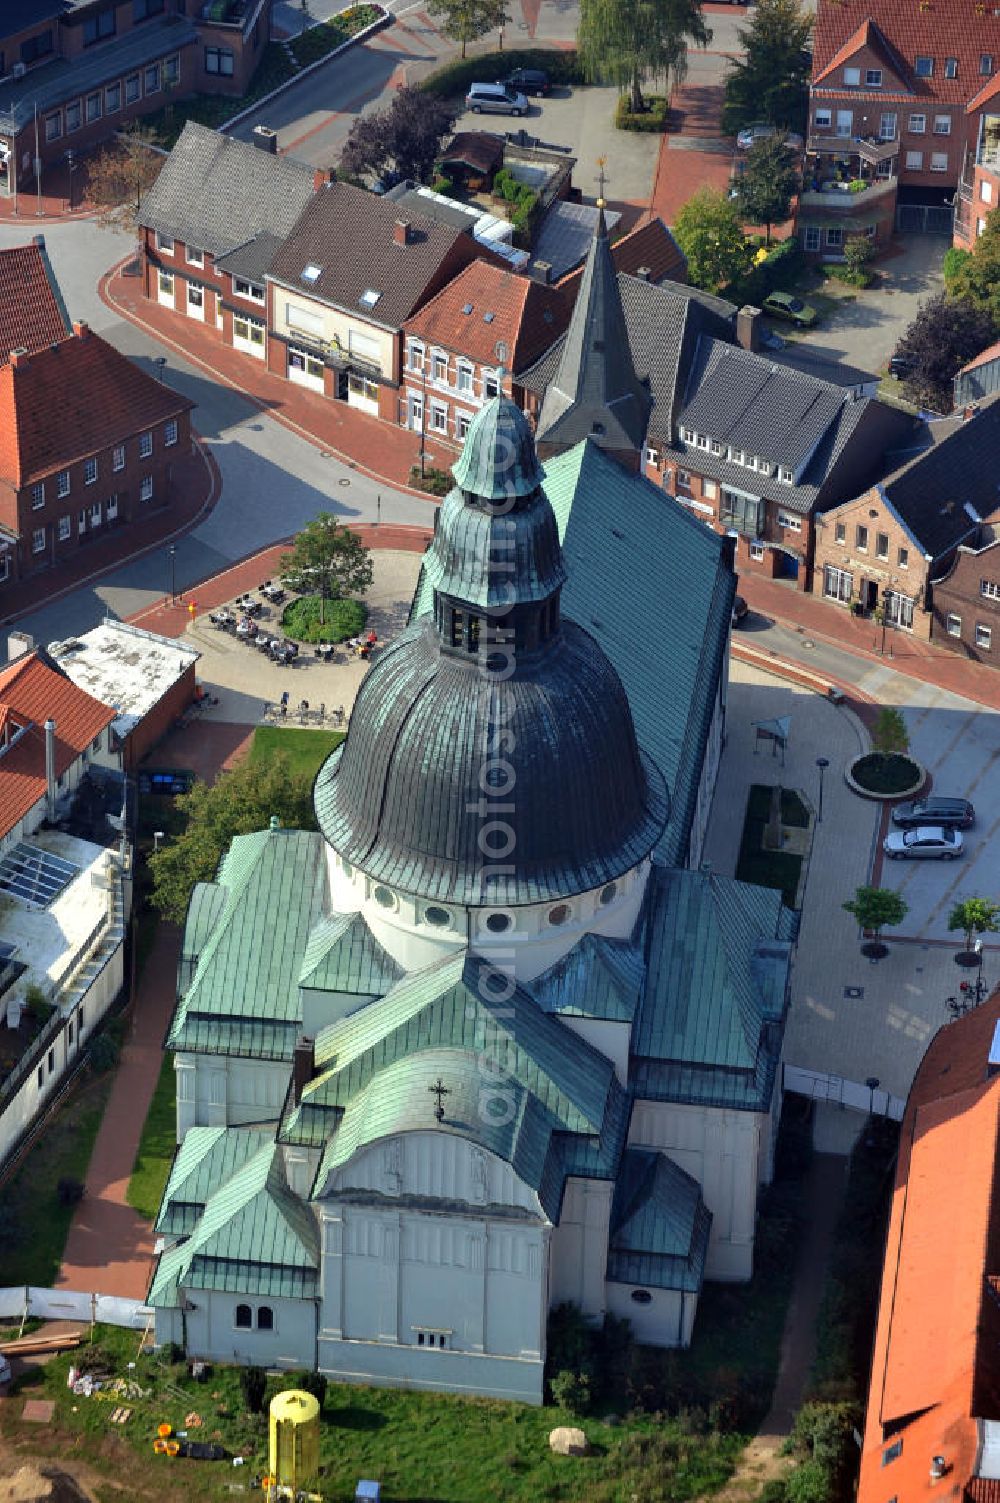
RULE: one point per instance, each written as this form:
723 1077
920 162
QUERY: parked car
900 366
530 81
740 610
952 813
926 843
495 99
784 305
751 134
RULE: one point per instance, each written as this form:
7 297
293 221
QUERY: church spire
596 392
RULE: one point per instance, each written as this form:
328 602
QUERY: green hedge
455 78
652 120
310 45
784 261
344 618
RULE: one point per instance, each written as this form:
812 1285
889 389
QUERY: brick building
32 311
900 91
342 286
75 71
87 444
471 339
883 551
211 225
966 597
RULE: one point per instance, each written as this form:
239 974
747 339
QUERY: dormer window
311 273
923 67
369 298
786 476
688 435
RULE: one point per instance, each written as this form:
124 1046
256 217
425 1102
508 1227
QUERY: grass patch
306 750
33 1224
309 46
213 109
652 120
344 619
889 775
455 78
155 1153
780 869
421 1446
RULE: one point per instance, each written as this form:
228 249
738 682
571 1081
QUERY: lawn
421 1447
306 750
315 42
778 869
213 109
155 1153
33 1225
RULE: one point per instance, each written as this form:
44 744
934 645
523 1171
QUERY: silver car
495 99
926 843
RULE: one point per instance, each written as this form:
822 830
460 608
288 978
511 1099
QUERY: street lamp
822 763
873 1084
160 362
172 555
158 835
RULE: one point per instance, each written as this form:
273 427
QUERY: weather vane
440 1090
601 181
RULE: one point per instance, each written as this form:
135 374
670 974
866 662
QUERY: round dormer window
559 914
608 894
439 917
499 923
384 897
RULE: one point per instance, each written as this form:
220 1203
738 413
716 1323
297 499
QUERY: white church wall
580 1246
300 1168
216 1091
440 1165
667 1319
609 1038
720 1149
212 1332
319 1009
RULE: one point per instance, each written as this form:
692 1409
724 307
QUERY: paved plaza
851 1019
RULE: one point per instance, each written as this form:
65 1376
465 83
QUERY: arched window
265 1318
244 1317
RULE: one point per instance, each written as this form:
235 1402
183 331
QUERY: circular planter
970 958
871 776
874 949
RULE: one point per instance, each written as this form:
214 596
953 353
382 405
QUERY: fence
23 1302
924 219
847 1093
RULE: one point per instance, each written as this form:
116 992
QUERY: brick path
54 202
378 448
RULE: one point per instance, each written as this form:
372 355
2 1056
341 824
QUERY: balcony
869 148
838 197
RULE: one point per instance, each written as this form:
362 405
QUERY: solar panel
35 875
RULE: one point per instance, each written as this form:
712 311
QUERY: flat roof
124 667
48 940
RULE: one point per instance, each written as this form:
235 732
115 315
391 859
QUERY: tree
974 916
253 1383
876 907
889 735
327 560
765 188
120 175
709 231
858 252
240 802
406 137
771 82
466 20
975 278
627 42
946 333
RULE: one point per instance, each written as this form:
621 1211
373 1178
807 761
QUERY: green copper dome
498 460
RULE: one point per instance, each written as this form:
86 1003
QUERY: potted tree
971 917
875 908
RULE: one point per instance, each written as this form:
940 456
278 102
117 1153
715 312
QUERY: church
491 1038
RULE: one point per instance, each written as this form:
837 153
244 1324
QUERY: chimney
19 356
322 178
970 411
401 232
303 1064
50 768
541 271
274 823
81 330
748 328
39 240
645 274
938 1468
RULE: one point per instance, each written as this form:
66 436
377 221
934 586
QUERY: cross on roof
601 181
440 1090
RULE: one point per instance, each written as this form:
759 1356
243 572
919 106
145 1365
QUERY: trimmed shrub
572 1390
105 1051
954 259
435 482
652 120
455 78
253 1386
344 618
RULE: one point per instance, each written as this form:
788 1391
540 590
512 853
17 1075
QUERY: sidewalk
32 208
381 449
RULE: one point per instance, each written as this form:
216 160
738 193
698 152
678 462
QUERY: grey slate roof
788 418
711 1020
251 260
565 234
663 322
408 202
217 193
659 1225
930 491
53 83
595 389
243 951
350 235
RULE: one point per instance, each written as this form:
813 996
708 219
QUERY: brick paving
53 202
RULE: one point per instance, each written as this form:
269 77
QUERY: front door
870 596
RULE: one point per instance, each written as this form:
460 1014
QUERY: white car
926 843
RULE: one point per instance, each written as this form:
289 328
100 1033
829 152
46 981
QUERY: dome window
439 917
641 1297
609 893
559 914
499 923
384 897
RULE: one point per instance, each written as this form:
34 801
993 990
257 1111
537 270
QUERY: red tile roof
650 245
74 399
527 316
936 1365
478 149
30 693
992 352
945 28
31 311
868 35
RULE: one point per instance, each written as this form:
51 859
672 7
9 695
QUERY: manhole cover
344 481
854 991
